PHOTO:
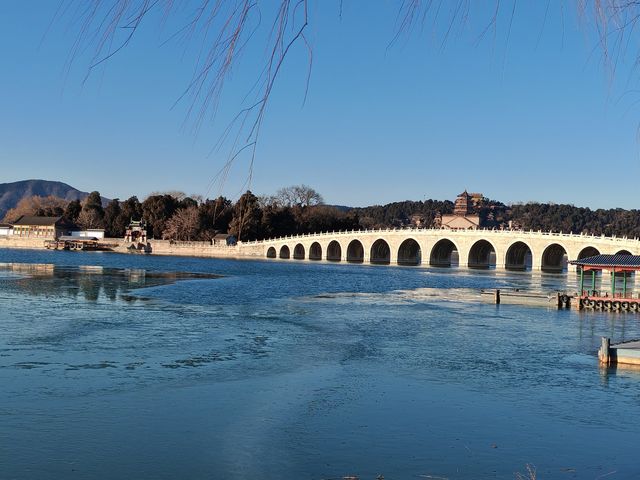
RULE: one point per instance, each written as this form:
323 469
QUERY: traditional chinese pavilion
615 295
463 217
136 232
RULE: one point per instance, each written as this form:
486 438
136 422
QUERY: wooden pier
626 353
514 296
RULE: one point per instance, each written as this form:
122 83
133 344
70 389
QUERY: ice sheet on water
395 297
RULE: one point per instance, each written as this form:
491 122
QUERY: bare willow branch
226 29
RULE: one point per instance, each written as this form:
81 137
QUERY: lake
148 367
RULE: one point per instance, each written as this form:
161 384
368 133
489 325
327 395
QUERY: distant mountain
12 193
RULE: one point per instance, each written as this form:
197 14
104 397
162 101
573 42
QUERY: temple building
36 226
464 216
136 232
6 229
225 239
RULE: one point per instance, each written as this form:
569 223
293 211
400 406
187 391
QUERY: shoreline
157 247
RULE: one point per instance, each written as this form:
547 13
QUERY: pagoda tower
463 204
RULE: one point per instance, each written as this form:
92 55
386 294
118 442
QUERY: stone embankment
156 247
21 242
198 249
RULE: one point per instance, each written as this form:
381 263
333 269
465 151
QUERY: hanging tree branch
225 28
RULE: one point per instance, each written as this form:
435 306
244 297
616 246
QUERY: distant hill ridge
12 193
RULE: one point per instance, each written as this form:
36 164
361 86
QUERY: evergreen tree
112 212
130 209
214 216
72 211
156 210
92 214
247 217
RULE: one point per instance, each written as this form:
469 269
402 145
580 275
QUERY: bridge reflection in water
502 249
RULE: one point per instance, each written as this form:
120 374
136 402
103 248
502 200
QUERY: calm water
112 368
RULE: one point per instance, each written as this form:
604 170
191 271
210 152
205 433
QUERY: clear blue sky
530 116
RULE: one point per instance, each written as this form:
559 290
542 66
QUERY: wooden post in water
603 353
496 296
576 302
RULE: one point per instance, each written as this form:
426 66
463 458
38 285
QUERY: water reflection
92 282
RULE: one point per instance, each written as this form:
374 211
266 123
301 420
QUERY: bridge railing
531 233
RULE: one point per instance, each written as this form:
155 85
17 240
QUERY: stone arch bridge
502 249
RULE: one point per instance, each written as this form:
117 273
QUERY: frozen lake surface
116 366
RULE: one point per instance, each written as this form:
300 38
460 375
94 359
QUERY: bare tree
268 201
90 218
50 206
176 194
183 225
198 198
298 195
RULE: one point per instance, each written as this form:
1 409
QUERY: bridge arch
518 257
380 252
355 252
631 275
512 250
334 251
482 254
298 252
444 254
409 252
285 252
554 258
315 251
588 252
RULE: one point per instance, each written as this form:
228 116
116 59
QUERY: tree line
300 209
175 216
569 218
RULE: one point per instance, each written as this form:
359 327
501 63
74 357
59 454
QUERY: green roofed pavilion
618 263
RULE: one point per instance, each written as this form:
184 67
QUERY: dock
617 298
626 353
514 296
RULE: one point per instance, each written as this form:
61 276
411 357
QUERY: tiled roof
37 221
617 260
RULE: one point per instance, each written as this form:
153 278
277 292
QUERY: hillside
12 193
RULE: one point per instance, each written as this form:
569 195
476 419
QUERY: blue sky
530 115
